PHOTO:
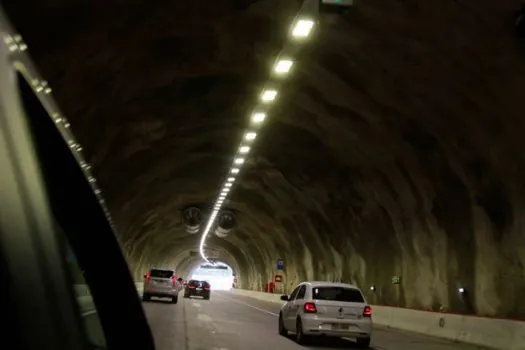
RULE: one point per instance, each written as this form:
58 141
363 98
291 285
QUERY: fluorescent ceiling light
258 117
228 185
303 28
239 160
230 179
235 170
250 136
283 66
244 149
268 95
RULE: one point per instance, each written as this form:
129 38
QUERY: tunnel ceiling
395 148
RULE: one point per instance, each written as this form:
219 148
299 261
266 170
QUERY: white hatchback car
326 308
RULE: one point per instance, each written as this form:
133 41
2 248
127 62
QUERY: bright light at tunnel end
301 29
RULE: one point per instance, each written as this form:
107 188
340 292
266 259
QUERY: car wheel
174 299
363 343
282 329
300 338
146 297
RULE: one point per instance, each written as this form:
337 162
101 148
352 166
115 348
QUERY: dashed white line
246 304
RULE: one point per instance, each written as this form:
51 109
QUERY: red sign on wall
278 278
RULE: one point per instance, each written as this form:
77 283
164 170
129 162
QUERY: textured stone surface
395 149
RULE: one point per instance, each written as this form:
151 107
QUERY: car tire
174 299
363 343
282 329
300 338
146 297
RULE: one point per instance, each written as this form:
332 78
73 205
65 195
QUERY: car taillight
367 311
191 286
148 276
174 281
310 308
206 287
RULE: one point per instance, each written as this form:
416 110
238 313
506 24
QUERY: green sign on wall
396 279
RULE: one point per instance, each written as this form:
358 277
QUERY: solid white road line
246 304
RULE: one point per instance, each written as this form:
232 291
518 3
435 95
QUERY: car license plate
338 326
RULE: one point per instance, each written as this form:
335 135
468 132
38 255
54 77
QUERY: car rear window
194 282
343 294
161 273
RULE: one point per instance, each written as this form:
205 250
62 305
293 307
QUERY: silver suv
161 283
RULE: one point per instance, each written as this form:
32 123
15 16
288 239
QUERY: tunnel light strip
300 29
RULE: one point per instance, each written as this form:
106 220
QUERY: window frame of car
34 190
294 293
303 291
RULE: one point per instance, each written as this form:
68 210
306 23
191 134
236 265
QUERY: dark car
196 288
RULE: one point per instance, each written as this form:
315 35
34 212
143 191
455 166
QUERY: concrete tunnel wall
395 149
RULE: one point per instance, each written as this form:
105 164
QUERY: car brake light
148 276
206 287
174 281
310 308
367 311
191 286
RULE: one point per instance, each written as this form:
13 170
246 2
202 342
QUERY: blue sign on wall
280 264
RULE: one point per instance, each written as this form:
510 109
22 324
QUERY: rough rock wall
395 150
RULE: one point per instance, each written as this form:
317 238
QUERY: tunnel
391 159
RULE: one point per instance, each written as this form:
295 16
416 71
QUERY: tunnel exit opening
218 275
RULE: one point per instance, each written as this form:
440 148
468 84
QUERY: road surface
232 322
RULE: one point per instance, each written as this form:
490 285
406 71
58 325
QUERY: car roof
330 284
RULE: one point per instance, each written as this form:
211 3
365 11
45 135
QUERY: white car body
326 308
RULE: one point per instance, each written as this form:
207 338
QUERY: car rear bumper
197 294
161 292
325 326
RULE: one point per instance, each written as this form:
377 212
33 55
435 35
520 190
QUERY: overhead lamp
225 190
302 28
268 95
244 149
239 160
235 170
258 118
230 179
250 136
228 185
283 66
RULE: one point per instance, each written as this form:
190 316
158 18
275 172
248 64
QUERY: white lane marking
246 304
204 318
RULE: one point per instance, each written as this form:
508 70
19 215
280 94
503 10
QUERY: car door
297 305
287 309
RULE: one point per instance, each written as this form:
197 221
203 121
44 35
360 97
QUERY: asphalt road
232 322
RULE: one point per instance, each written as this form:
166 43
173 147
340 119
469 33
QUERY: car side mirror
284 297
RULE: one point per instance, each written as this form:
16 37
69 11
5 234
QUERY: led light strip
302 28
